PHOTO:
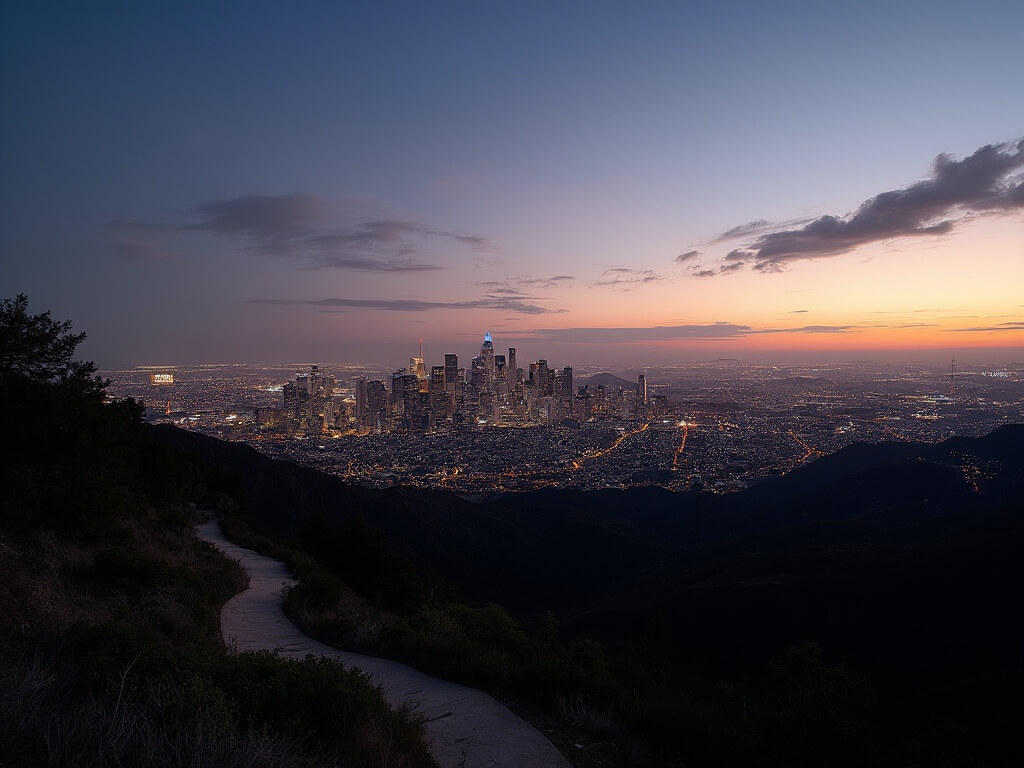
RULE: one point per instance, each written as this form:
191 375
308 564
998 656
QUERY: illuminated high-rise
487 353
440 401
376 405
451 371
360 400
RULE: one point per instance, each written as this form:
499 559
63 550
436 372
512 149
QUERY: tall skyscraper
451 371
487 353
641 391
545 379
376 404
440 401
567 390
512 370
360 400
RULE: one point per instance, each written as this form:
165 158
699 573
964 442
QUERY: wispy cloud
987 182
524 286
755 227
506 304
682 258
261 217
810 329
626 278
1013 325
304 230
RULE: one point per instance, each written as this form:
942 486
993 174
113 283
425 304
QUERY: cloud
798 311
688 256
626 278
513 286
327 261
811 329
546 282
987 182
1013 325
745 230
304 229
414 305
260 216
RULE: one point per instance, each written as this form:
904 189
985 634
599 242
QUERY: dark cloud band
504 304
987 182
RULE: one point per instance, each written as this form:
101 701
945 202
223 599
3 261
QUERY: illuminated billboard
161 379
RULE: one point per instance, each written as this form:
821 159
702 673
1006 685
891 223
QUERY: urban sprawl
497 425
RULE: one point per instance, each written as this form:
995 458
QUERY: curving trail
464 726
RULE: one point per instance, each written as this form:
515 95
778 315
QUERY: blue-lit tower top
487 337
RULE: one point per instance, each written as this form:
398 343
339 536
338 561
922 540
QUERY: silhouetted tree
64 446
39 349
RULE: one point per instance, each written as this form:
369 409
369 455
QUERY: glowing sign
161 379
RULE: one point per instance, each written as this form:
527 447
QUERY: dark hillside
110 649
899 561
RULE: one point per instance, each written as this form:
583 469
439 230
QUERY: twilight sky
592 182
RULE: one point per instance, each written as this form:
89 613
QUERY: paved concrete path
464 726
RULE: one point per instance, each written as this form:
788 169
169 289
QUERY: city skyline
591 183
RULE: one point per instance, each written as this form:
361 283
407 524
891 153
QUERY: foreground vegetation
628 706
110 652
832 642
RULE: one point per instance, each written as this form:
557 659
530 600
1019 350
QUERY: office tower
417 368
487 353
360 400
396 398
478 376
376 404
512 370
440 401
451 371
328 423
410 400
545 379
437 383
567 383
291 400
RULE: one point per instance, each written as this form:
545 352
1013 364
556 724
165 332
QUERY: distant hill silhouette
570 544
609 381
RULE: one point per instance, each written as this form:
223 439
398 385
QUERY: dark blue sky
191 183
